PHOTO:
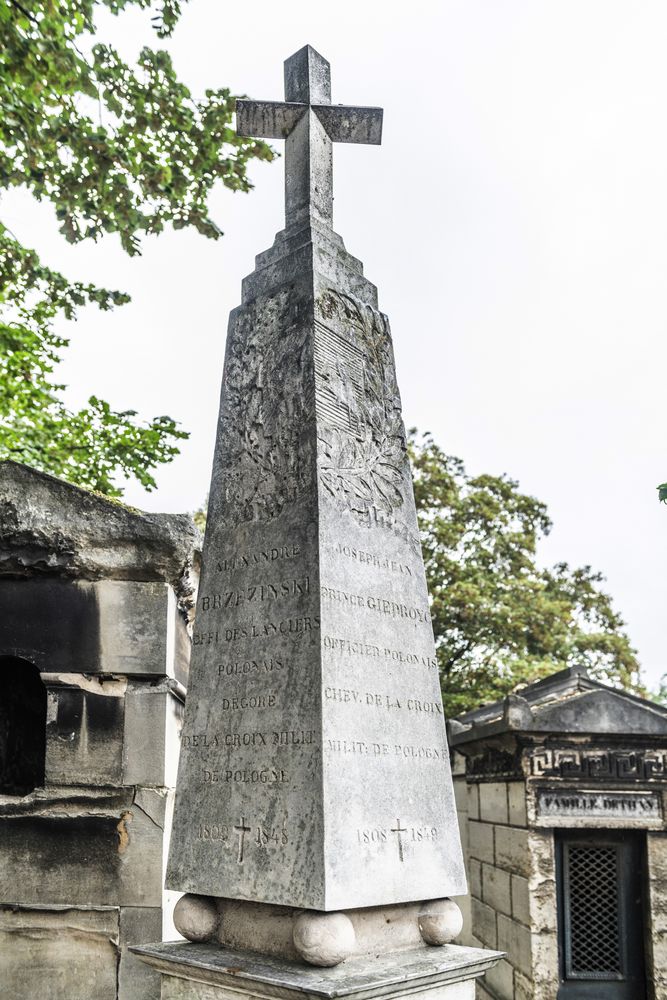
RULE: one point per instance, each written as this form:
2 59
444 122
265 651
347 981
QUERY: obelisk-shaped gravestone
314 769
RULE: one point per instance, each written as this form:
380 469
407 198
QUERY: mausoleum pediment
567 702
602 711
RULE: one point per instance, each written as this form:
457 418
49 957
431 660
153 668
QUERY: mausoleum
94 653
560 792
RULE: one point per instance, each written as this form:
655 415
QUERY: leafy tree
115 149
500 620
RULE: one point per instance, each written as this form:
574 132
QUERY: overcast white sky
514 220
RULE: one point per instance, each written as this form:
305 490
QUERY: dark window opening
22 727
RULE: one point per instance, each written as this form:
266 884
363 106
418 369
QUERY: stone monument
314 819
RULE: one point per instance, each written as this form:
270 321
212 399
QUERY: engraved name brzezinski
314 769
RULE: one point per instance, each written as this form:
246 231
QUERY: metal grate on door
592 932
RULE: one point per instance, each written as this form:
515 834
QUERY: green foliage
662 492
500 620
116 149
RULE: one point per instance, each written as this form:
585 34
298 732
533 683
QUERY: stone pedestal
205 972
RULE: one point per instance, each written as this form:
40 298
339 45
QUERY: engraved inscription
257 593
246 776
242 830
262 836
257 630
218 741
251 667
375 603
370 749
359 647
598 805
248 701
371 559
374 700
244 560
398 830
381 835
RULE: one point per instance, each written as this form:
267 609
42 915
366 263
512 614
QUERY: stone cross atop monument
309 123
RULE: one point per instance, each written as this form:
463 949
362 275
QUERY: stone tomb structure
561 795
94 654
315 820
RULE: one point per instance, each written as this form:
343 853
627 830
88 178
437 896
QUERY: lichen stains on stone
123 832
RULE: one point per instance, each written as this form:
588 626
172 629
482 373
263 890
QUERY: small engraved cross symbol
243 829
398 830
309 123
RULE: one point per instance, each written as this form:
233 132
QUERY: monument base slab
206 972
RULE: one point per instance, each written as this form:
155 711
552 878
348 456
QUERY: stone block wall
82 858
511 880
95 602
656 850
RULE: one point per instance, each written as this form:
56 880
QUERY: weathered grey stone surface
308 123
67 954
70 953
240 925
568 701
136 980
314 766
94 650
48 525
80 846
176 988
102 627
422 970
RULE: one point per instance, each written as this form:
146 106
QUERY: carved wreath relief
281 376
361 439
266 454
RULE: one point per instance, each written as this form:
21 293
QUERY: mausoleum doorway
600 892
22 727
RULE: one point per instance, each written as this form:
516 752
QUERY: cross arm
267 119
350 124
